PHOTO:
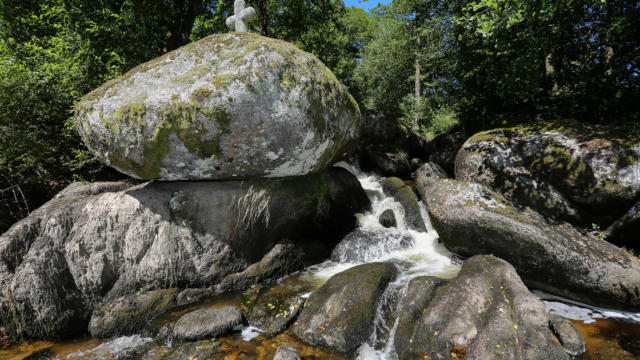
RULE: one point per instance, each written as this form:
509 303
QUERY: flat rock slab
130 314
230 106
340 314
484 313
207 323
555 257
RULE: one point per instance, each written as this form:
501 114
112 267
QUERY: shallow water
609 334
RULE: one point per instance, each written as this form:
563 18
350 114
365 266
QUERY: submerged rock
339 315
366 244
388 219
556 257
273 312
484 313
96 242
403 194
230 106
204 349
287 353
570 338
129 315
207 323
566 170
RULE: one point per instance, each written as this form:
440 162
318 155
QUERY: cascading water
413 252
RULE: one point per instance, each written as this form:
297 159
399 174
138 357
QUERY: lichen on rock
232 106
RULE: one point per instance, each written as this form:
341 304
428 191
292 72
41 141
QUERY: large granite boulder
556 257
570 171
484 313
231 106
93 243
207 323
340 314
403 193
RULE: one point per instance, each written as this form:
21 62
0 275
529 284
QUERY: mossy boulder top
232 106
571 171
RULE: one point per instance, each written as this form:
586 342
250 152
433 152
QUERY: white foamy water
582 312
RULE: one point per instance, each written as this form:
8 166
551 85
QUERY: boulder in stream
555 257
207 323
273 312
94 243
388 219
287 353
403 193
484 313
570 338
129 315
340 314
229 106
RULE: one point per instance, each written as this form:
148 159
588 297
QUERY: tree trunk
417 89
264 17
551 72
180 22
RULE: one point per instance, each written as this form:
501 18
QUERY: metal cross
241 14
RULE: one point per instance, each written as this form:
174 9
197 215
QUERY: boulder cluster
238 131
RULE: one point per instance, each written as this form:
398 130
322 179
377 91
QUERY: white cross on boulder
241 14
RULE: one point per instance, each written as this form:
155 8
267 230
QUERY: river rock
566 170
287 353
204 349
93 243
393 162
273 312
428 173
625 230
571 339
402 193
129 314
229 106
207 323
339 315
367 244
387 219
556 257
484 313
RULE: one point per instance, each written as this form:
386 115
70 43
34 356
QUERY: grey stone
366 245
403 194
273 312
230 106
207 323
427 174
556 257
484 313
571 339
389 163
388 219
565 170
287 353
340 314
204 349
625 230
130 314
94 243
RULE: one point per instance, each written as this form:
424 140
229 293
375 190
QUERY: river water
609 334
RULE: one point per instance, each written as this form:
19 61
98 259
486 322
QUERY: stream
609 334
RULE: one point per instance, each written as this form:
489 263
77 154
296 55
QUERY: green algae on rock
232 106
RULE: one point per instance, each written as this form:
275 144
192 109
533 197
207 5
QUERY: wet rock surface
484 313
287 353
272 313
566 170
570 338
362 245
230 106
555 257
94 243
207 323
204 349
403 194
339 315
130 314
388 219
